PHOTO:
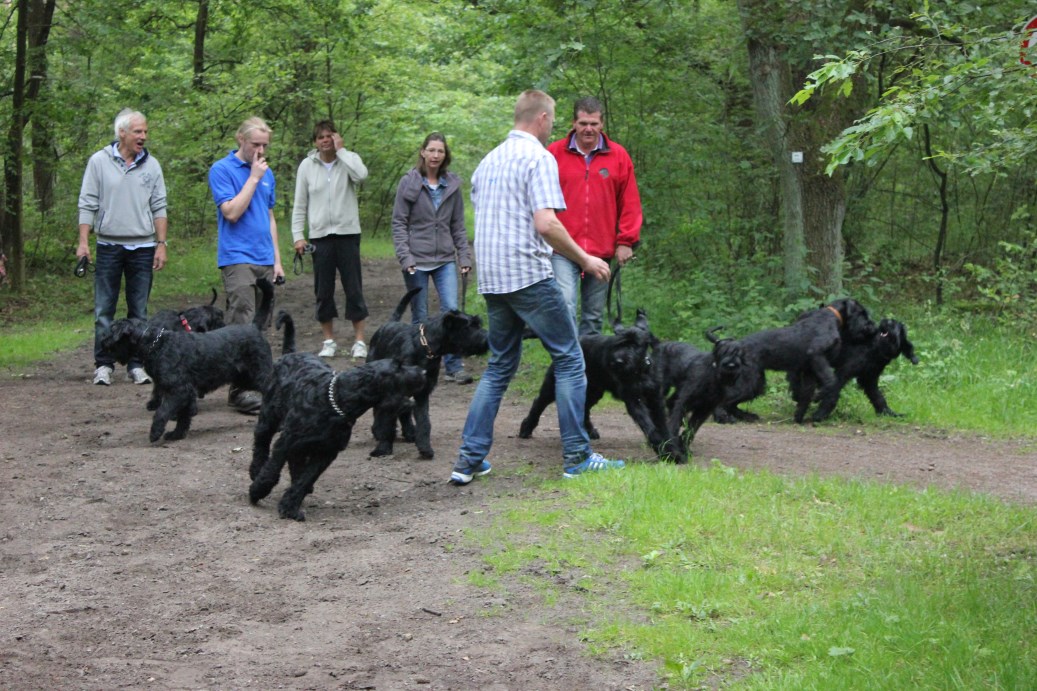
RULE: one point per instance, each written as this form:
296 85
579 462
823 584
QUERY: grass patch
787 583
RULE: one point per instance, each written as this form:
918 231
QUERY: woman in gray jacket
429 234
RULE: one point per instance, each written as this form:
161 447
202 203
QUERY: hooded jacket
602 204
326 199
424 235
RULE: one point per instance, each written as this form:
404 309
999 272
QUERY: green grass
729 577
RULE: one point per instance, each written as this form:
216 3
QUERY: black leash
614 282
464 288
298 265
83 265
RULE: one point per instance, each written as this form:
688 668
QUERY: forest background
786 151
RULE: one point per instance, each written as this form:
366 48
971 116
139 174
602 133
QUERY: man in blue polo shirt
242 186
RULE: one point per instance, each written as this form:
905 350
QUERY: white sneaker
139 376
359 350
103 376
329 349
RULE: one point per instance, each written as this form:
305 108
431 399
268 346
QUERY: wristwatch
162 242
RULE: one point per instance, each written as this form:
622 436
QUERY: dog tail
711 334
400 308
285 319
214 296
266 305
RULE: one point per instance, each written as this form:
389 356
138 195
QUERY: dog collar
183 321
331 395
424 341
154 342
836 313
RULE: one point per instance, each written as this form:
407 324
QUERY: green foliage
1010 284
765 582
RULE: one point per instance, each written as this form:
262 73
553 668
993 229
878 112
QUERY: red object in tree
1028 40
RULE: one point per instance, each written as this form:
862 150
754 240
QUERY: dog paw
175 435
593 433
426 453
380 451
152 406
296 515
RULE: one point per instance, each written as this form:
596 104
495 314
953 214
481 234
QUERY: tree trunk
11 237
771 86
44 153
201 26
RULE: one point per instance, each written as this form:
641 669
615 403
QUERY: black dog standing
185 365
201 318
314 408
864 362
422 345
621 365
810 344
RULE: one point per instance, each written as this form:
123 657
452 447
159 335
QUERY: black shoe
245 402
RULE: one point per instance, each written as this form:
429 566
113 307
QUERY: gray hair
125 117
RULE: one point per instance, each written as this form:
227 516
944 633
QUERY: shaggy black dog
864 362
621 365
185 365
810 344
423 345
201 318
314 408
696 382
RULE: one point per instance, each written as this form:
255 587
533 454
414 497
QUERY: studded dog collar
331 395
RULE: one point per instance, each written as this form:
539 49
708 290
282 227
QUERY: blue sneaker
459 478
592 463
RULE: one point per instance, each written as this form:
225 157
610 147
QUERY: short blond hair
250 125
531 104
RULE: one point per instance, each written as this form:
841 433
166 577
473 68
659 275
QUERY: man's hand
160 258
597 267
278 271
465 270
336 138
259 167
300 246
624 254
83 250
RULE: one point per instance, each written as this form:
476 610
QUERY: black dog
185 365
422 345
809 344
201 318
621 365
864 362
315 409
696 382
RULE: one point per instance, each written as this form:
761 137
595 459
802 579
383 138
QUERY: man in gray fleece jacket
123 200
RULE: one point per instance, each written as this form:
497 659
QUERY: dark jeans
112 262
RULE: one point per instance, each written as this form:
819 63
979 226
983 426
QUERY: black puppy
620 364
696 382
811 343
185 365
314 408
864 362
201 318
422 345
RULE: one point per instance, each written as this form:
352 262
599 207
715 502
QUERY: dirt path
124 564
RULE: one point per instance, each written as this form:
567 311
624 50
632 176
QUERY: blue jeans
111 263
592 293
541 307
445 280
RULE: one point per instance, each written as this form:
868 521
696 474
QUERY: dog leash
82 266
298 265
615 282
464 288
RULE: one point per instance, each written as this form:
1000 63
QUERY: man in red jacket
603 208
